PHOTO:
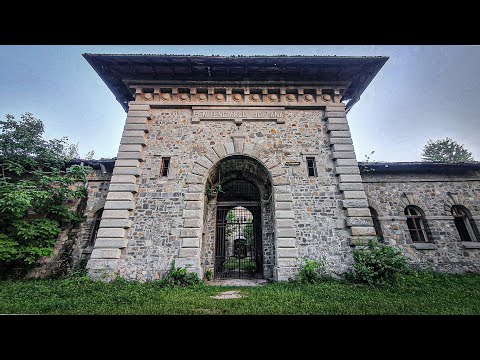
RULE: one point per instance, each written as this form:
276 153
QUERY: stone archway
246 184
285 252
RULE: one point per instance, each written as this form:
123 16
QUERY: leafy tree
34 190
446 151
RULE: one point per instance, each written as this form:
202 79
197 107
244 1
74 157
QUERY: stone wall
389 194
310 213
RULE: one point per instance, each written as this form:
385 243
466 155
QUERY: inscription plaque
238 114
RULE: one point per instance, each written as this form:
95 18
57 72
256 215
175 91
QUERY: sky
421 93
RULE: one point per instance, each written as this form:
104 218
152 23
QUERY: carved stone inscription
238 114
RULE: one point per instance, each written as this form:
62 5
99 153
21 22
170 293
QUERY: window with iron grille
376 223
95 226
165 166
311 166
417 225
465 225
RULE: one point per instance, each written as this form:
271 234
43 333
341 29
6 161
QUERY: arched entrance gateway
238 234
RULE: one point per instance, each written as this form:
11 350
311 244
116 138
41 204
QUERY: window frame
420 228
314 167
169 160
468 223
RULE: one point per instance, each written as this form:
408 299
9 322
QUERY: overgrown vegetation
377 264
35 189
178 277
311 271
416 293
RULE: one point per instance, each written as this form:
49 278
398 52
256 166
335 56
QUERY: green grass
415 294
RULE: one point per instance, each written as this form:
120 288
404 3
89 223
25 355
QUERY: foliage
72 152
248 232
377 264
34 190
211 191
446 151
208 275
245 264
368 161
311 271
178 277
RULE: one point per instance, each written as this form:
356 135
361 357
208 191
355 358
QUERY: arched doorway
238 238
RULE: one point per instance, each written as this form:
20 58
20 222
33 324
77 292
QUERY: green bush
312 271
178 277
377 264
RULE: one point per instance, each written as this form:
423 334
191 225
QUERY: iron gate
238 252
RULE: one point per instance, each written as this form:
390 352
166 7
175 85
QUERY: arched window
95 226
417 224
376 223
465 225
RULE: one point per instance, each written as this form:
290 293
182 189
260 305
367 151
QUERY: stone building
268 136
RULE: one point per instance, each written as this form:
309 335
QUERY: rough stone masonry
278 123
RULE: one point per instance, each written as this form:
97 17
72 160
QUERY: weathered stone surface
137 120
115 214
343 155
193 205
199 170
130 155
332 114
139 113
194 179
123 187
340 140
280 180
127 163
115 223
354 195
284 205
359 221
337 127
135 107
278 171
191 214
133 140
191 233
133 133
126 171
338 120
284 223
343 147
188 252
136 127
205 162
102 264
354 203
424 246
117 243
352 212
123 179
130 148
191 223
212 156
344 186
119 205
286 242
287 252
190 242
350 178
120 196
347 170
285 233
98 253
346 162
284 214
194 196
272 162
220 151
111 232
340 134
363 231
284 197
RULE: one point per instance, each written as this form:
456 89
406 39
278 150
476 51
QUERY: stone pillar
350 184
115 223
